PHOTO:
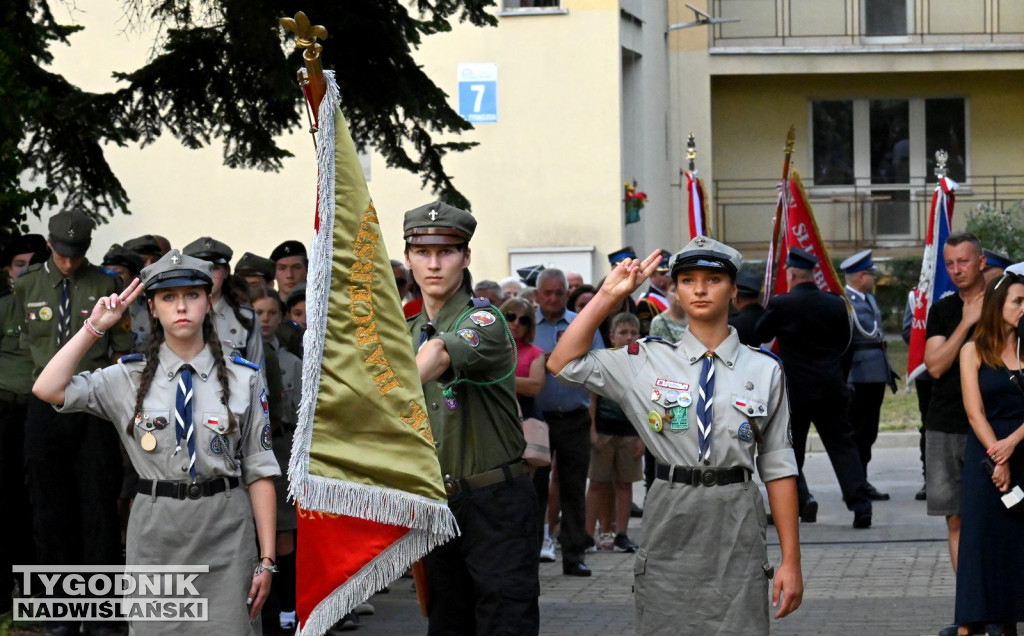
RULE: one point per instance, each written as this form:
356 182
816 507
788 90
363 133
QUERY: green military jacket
478 428
15 362
37 301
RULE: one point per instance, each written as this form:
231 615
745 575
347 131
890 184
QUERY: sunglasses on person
525 320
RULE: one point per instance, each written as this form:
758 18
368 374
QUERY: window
886 18
530 4
884 151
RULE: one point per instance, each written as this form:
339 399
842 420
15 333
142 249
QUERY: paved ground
893 579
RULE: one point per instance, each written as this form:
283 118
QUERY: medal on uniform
655 395
678 421
655 421
672 396
745 432
685 399
148 442
449 398
160 423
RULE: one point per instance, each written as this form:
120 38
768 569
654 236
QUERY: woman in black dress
990 573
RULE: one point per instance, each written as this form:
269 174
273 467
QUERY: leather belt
454 486
696 476
186 490
11 397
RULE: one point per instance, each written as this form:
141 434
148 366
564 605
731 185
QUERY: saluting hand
628 274
109 309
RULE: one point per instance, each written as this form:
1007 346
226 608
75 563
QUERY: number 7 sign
478 92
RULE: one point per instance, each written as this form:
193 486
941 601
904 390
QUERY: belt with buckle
186 490
696 476
454 486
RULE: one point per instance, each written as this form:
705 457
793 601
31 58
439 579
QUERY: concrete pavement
892 579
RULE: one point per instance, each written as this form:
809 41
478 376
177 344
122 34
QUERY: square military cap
748 284
528 275
175 269
118 255
71 233
25 244
146 245
707 253
438 224
859 262
286 249
995 259
800 259
209 249
252 265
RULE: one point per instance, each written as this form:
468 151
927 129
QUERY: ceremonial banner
934 282
363 470
695 211
801 230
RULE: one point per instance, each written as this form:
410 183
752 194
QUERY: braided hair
153 361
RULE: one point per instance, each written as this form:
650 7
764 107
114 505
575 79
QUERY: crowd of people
675 386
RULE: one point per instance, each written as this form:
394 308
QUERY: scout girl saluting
703 406
195 427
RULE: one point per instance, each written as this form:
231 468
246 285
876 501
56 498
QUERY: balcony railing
853 217
811 24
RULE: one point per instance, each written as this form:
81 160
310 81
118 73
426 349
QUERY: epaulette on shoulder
247 309
655 339
133 357
480 303
245 363
766 352
32 268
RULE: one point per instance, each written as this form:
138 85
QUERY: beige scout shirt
749 388
243 452
237 340
291 380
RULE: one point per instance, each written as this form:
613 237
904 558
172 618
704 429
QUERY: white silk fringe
430 521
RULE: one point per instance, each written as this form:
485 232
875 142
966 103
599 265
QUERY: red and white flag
696 211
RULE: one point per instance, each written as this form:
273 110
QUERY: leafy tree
222 71
1000 230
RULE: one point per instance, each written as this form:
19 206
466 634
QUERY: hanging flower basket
635 200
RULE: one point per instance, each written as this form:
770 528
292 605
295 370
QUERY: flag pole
311 78
770 269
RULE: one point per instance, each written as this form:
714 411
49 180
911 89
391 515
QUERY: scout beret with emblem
252 265
25 244
859 262
438 223
118 255
707 253
800 259
748 285
995 259
175 269
286 249
147 245
71 233
209 249
620 255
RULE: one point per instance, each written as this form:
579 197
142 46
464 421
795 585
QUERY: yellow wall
547 173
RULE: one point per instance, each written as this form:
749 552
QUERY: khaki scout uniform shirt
216 530
38 294
482 431
702 568
291 380
237 340
15 362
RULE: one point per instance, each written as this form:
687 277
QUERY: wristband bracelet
93 330
260 569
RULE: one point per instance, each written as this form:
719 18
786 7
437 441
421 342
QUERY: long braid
210 336
152 362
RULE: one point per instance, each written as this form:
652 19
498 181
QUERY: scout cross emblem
71 232
433 215
208 244
700 241
175 259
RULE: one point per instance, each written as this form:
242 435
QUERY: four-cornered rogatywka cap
175 269
209 249
71 233
707 253
438 224
145 245
252 265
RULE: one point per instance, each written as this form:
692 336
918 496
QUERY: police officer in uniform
195 427
486 580
15 385
813 332
748 307
238 338
871 370
73 461
706 407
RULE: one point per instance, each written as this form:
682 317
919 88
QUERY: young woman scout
195 427
705 407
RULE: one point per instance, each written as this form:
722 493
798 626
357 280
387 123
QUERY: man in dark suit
748 306
813 331
871 370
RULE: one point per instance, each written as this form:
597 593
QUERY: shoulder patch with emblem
766 352
633 348
245 363
266 440
482 318
264 403
471 337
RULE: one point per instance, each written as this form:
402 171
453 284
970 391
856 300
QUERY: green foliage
999 230
898 276
223 70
